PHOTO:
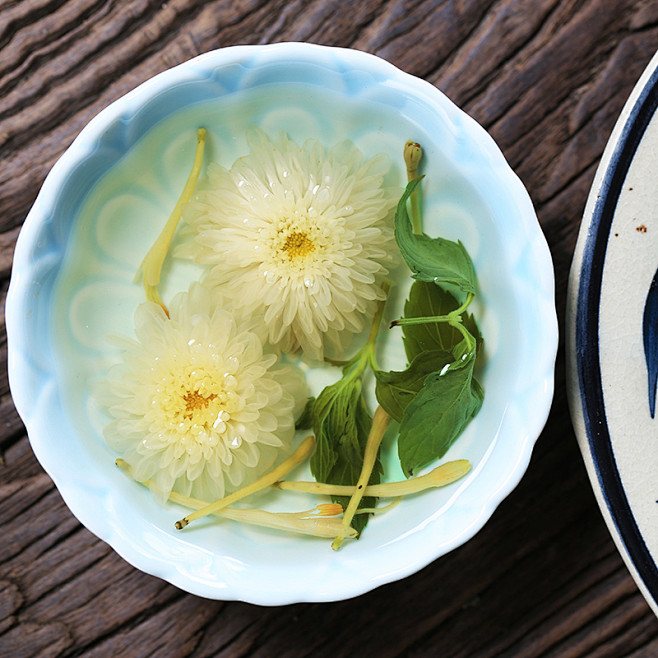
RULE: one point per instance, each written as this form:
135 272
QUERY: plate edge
588 415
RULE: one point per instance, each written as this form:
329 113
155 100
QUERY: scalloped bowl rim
537 394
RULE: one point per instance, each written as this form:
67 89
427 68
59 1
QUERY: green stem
366 356
470 341
416 221
377 319
335 362
423 320
452 318
413 154
464 306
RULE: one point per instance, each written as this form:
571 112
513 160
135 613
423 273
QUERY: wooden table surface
548 79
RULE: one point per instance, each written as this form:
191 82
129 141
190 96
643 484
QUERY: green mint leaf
341 425
437 415
427 299
434 260
396 389
333 401
305 420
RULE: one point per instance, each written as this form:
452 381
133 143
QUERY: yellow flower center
298 245
195 401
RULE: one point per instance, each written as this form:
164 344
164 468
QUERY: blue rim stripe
587 336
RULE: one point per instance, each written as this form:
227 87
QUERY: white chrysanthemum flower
199 406
302 236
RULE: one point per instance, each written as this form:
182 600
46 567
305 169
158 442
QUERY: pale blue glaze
72 281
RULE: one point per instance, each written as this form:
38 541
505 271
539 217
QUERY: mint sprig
437 395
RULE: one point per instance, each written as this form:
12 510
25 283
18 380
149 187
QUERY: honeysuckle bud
413 154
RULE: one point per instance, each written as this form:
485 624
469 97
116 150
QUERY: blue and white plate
613 334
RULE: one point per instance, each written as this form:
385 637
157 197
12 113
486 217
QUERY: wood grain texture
548 79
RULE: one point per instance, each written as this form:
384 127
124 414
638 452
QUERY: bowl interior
106 201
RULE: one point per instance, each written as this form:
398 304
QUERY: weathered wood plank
7 243
175 629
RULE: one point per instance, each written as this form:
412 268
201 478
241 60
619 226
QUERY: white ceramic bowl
101 207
